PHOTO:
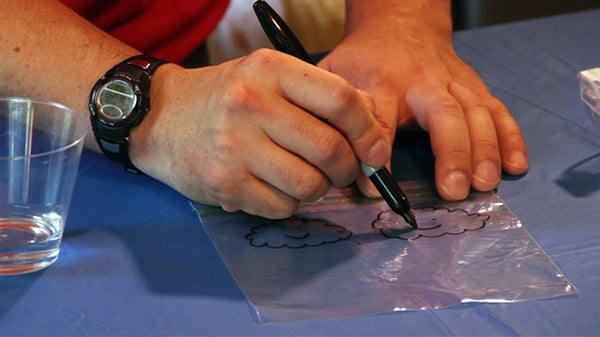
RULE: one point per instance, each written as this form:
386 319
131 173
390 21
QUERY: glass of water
40 148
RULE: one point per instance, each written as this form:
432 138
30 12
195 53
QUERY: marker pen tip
410 219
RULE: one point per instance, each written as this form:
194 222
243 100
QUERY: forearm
47 51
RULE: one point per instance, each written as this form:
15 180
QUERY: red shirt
168 29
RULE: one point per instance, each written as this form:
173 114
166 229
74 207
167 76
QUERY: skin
255 138
264 132
419 80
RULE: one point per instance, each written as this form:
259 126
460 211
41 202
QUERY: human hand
258 134
417 77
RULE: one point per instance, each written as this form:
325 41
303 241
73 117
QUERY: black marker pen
284 40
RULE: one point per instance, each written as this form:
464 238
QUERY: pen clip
278 32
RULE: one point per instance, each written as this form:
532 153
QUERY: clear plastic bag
347 255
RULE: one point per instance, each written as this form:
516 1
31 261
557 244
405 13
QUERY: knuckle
226 144
383 71
419 71
449 107
495 106
512 136
309 186
221 186
329 145
343 97
236 98
488 144
475 105
343 93
260 58
458 155
280 210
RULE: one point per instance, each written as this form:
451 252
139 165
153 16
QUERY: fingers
471 138
271 124
513 149
509 139
300 155
387 110
485 156
333 100
257 177
440 114
266 200
318 144
293 130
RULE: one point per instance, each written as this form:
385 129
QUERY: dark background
475 13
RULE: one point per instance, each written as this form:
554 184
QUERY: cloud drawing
433 222
296 232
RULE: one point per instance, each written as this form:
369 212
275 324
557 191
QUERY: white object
589 86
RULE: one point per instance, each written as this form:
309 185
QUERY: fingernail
488 173
380 151
456 184
518 160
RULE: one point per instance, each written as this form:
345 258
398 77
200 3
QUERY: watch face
115 100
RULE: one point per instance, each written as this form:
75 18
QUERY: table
136 261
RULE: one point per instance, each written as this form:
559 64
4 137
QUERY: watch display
115 100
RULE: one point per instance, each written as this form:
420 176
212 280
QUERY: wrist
400 18
148 141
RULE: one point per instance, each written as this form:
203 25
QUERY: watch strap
145 62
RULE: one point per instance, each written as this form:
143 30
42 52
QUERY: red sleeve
168 29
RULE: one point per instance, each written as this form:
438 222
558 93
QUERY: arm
246 135
48 51
415 76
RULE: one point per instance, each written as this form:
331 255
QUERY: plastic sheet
347 255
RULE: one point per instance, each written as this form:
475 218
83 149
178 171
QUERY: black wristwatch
118 102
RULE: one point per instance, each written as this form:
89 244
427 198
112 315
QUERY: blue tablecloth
136 261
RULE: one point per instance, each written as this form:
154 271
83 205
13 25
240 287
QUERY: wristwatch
118 102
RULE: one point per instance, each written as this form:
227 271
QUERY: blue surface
136 261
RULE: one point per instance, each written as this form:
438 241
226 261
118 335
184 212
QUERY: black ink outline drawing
408 233
298 228
297 224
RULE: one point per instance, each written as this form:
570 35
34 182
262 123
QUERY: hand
251 135
417 77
